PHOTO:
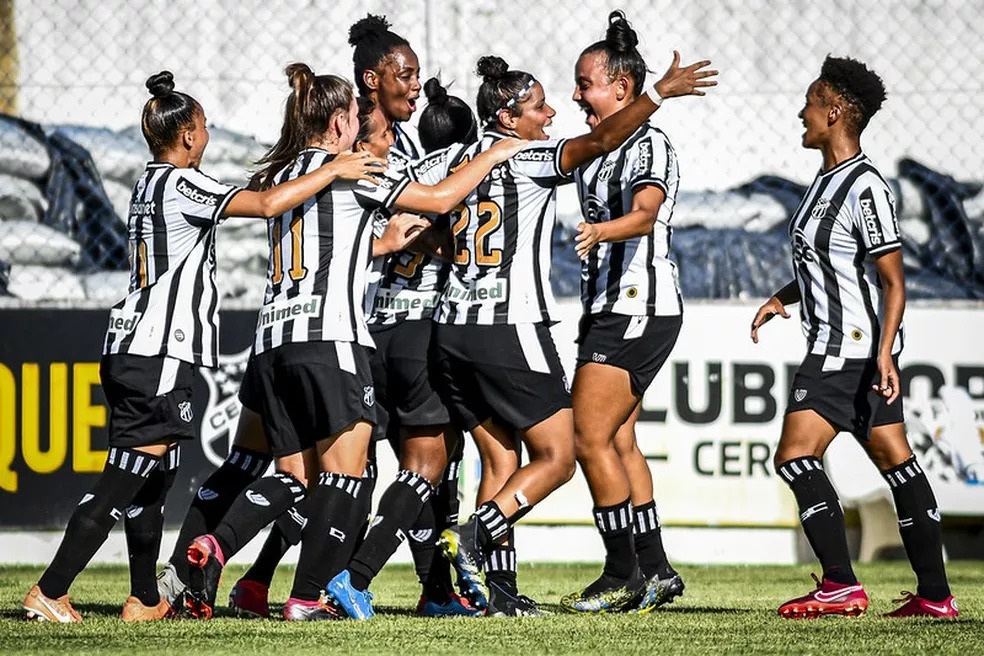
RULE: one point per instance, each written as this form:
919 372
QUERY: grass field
725 609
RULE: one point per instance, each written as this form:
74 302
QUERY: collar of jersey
843 165
157 165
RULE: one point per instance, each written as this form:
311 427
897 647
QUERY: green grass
725 609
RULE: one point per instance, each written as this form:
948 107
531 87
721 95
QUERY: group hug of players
408 300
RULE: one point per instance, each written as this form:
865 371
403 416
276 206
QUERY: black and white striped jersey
633 277
846 219
406 142
319 254
502 235
172 307
404 286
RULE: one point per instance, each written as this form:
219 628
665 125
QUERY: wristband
654 96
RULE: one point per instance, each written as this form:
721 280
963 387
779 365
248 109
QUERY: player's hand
687 81
888 384
503 149
588 236
403 228
357 166
769 309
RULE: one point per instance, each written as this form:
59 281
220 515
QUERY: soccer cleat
456 606
607 594
135 611
250 599
170 588
658 592
205 558
509 603
300 610
916 606
357 604
46 609
829 598
459 546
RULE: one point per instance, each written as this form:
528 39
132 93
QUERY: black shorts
402 376
149 399
510 373
309 391
640 345
844 396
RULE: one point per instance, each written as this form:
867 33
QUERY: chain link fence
72 86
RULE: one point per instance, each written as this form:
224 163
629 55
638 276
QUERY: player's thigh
602 400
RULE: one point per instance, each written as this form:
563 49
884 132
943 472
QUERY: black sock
364 501
821 515
260 503
919 526
143 524
615 525
439 513
500 566
649 542
213 500
285 533
335 516
399 505
125 472
493 527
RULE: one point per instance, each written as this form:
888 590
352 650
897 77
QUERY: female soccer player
847 262
165 327
632 315
418 419
310 371
500 371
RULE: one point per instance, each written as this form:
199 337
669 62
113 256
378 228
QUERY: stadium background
76 71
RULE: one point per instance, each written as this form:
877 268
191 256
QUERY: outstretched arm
445 195
278 199
614 130
776 304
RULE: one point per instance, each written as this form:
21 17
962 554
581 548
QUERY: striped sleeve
540 162
648 163
875 219
392 182
200 198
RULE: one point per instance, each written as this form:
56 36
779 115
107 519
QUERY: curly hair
861 88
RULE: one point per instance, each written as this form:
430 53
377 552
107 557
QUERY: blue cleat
459 546
357 604
658 592
456 606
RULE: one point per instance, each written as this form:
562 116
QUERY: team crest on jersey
606 171
185 412
369 395
820 208
223 407
799 394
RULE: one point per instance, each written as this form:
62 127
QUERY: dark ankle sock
649 542
125 472
615 525
260 503
143 525
336 515
399 505
493 527
285 533
213 500
500 567
821 515
919 526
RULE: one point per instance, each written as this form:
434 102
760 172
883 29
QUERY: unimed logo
292 308
121 321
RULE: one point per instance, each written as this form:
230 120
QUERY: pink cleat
916 606
829 598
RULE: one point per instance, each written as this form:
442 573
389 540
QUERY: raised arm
444 196
614 130
278 199
776 304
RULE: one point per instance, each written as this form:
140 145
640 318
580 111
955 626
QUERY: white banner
713 416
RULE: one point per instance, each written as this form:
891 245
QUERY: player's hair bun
492 68
299 75
620 36
435 92
161 84
368 28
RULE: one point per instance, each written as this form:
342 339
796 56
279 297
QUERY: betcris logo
196 194
535 155
645 158
869 217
